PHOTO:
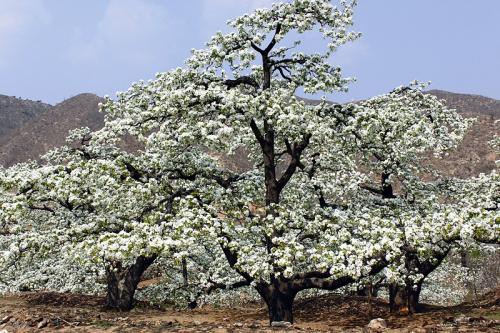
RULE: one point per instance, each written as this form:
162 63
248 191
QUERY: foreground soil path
51 312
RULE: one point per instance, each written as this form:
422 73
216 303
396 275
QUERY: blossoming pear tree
394 134
297 219
306 215
90 203
333 193
32 257
462 216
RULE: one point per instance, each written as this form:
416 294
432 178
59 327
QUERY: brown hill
16 112
470 104
474 155
36 135
50 129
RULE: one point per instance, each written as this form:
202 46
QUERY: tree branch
258 135
295 153
321 280
247 80
273 41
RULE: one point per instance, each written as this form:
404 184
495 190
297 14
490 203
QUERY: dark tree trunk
397 298
464 259
364 291
369 290
425 267
279 303
413 296
122 282
405 298
185 279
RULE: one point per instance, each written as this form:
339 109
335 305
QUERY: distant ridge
39 127
16 112
50 128
474 155
467 103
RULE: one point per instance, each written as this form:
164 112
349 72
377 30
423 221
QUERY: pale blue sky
53 49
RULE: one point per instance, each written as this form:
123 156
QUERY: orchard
329 197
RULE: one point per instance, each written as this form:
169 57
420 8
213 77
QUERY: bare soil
52 312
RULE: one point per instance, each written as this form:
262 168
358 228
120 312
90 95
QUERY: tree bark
185 279
363 291
122 282
397 298
405 298
369 290
413 296
279 302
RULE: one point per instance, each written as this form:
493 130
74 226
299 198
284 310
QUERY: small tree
394 134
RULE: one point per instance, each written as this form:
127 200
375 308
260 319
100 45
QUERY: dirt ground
51 312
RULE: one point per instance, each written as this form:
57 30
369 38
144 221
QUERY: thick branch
168 201
217 286
42 208
241 80
322 280
258 134
372 189
288 61
232 259
221 286
295 153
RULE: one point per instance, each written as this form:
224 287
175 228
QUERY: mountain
470 104
474 155
16 112
34 131
50 128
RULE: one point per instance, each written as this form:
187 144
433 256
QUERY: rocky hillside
470 104
50 128
34 131
16 112
475 154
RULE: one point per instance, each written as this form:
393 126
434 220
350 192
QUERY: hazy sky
53 49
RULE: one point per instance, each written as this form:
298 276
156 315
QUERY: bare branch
283 75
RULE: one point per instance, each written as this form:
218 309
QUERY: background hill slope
49 129
474 155
16 112
29 129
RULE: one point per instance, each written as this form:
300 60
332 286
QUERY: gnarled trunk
369 290
413 297
279 302
397 298
405 298
410 293
122 282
